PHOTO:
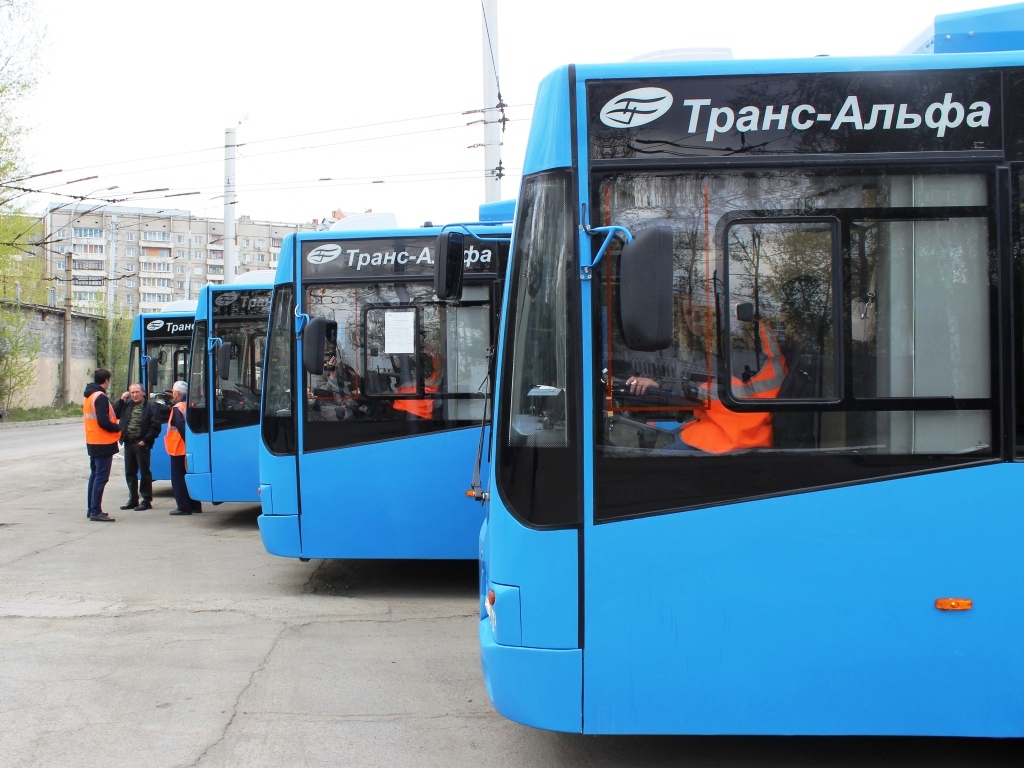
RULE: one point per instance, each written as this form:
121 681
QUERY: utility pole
188 274
111 286
68 308
492 98
230 257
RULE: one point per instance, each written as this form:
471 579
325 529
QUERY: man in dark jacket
140 427
101 435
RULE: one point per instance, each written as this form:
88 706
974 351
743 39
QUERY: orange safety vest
424 409
174 442
720 430
94 433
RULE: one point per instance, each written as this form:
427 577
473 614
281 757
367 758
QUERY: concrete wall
47 325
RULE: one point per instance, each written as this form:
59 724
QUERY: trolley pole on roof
492 115
230 257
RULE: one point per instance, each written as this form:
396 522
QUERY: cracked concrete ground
170 641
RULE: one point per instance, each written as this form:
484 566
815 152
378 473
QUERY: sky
359 105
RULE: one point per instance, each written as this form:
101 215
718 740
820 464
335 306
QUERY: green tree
113 342
19 348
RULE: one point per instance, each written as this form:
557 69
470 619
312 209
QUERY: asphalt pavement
178 641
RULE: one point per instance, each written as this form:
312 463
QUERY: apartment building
129 260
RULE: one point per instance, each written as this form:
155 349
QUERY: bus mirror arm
645 290
314 344
609 232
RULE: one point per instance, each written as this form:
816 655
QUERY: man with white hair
174 441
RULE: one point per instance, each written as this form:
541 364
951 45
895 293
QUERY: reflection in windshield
172 362
398 357
237 389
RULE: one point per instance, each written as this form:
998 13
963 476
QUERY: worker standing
101 435
174 442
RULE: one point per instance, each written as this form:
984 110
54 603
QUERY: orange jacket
720 430
174 442
424 409
94 433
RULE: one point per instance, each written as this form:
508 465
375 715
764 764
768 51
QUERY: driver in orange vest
102 433
423 409
716 428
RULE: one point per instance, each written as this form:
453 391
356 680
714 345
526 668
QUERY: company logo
635 108
226 299
324 253
154 325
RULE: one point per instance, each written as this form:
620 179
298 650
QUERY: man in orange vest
422 409
101 435
716 428
174 442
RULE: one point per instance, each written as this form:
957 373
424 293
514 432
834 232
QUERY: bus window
278 425
134 364
817 313
237 395
402 363
172 360
197 414
537 473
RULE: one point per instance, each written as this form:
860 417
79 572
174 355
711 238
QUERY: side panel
549 144
396 499
199 484
159 461
278 497
280 534
814 613
532 686
235 464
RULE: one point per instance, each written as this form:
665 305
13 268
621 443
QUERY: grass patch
48 412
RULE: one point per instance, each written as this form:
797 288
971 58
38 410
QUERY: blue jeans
99 473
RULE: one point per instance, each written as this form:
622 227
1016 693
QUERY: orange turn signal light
954 604
490 597
471 493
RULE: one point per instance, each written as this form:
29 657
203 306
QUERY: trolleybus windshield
397 361
239 319
166 341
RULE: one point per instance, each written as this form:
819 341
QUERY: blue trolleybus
374 395
159 357
755 455
225 376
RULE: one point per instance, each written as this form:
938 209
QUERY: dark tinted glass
236 401
278 422
197 414
402 363
829 328
538 449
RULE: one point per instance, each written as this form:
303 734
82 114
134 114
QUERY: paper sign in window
399 333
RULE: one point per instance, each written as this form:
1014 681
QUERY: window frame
546 494
316 438
614 480
847 401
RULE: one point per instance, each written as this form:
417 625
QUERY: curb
39 423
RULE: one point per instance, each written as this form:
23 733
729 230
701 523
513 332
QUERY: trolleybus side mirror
645 290
224 360
450 263
315 335
152 369
745 312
